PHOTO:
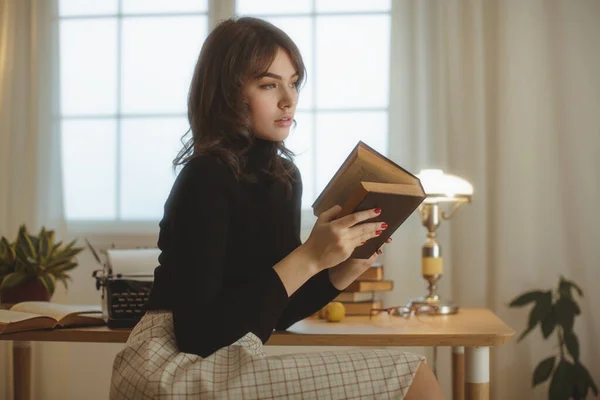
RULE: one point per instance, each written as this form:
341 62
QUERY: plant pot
28 291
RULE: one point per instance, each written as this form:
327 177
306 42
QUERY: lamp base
442 307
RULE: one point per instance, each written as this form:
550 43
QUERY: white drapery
30 167
507 95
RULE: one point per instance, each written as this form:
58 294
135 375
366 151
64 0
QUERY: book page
9 317
54 310
358 172
363 164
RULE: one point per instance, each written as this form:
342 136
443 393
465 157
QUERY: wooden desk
474 329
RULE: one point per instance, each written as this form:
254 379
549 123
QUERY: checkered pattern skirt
151 367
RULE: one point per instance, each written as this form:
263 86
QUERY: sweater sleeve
318 290
208 314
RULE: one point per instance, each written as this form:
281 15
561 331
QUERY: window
124 88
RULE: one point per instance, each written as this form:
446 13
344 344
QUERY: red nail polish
379 251
378 232
384 225
377 210
362 242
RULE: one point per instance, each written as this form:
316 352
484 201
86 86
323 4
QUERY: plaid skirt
151 367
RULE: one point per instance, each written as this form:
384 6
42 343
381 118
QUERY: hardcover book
33 315
367 179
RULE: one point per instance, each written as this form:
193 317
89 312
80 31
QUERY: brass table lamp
441 189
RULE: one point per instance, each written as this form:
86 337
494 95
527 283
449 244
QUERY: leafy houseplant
555 312
31 265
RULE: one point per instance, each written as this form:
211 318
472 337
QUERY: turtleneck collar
259 152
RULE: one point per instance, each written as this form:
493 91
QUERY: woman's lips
284 123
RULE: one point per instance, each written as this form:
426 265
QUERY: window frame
119 230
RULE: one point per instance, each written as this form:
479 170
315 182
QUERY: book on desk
34 315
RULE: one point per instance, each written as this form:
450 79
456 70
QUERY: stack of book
361 296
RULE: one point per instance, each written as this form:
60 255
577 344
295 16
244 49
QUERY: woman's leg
424 385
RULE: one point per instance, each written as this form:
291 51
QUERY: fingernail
384 225
362 242
378 232
390 239
379 251
377 210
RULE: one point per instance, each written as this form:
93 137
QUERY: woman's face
272 99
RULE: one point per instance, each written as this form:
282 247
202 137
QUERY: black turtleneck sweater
219 240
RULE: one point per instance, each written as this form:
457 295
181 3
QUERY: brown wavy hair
235 52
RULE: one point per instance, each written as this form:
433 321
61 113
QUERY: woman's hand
333 240
348 271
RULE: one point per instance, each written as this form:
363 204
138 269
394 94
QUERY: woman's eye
295 84
268 86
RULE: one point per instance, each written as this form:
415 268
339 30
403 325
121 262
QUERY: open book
33 315
367 179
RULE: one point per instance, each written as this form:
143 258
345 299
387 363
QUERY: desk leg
477 385
458 373
22 370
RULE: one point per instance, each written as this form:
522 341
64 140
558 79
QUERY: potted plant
555 312
31 265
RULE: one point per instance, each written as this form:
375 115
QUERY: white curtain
30 168
507 95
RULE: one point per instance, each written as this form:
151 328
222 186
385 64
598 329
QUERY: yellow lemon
335 311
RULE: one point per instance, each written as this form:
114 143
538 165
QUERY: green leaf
566 309
64 279
25 244
49 282
548 323
13 279
581 382
64 267
20 255
43 246
565 286
526 298
572 344
543 370
584 379
5 269
28 268
54 249
538 312
562 383
35 242
7 253
525 333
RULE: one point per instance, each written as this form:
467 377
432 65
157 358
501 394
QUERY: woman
232 266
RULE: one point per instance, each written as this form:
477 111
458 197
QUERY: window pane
148 147
353 5
162 6
158 59
338 133
300 142
270 7
353 61
68 8
88 66
299 29
89 168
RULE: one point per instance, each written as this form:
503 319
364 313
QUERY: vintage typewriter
125 282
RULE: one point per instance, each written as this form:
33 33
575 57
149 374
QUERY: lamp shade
441 187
